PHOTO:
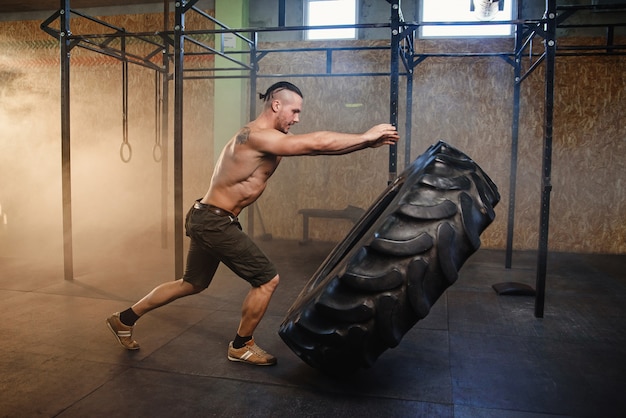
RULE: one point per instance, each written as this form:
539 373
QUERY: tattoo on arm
242 135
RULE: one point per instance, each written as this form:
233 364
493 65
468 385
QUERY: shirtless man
240 176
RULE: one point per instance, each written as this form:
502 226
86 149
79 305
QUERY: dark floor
476 355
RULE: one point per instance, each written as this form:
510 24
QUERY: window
461 11
330 12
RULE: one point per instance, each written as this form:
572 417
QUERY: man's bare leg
159 296
164 294
254 306
243 348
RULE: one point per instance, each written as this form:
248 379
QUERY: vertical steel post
514 138
394 78
165 129
179 57
253 75
66 166
409 103
546 169
253 85
281 13
409 117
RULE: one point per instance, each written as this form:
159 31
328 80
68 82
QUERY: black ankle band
240 341
129 317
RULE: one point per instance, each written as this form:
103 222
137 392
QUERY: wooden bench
351 213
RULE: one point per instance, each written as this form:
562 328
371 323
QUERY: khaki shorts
220 238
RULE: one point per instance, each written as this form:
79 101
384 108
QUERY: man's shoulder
261 132
243 135
251 131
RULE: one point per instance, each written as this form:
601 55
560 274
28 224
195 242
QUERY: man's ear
275 105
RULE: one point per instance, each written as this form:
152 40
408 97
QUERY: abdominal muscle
239 178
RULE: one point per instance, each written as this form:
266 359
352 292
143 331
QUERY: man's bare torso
241 173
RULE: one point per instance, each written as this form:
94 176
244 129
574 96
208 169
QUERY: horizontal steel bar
476 23
593 7
98 21
216 52
324 49
590 25
214 69
588 47
146 64
592 54
466 54
294 75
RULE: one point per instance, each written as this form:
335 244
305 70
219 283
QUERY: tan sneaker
123 333
250 353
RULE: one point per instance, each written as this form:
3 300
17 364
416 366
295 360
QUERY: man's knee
272 284
189 288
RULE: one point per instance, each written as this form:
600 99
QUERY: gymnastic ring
130 152
393 265
157 154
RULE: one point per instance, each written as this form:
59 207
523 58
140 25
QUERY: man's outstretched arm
322 142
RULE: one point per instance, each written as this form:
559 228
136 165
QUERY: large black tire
394 264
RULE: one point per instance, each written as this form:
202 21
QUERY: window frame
471 31
307 33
